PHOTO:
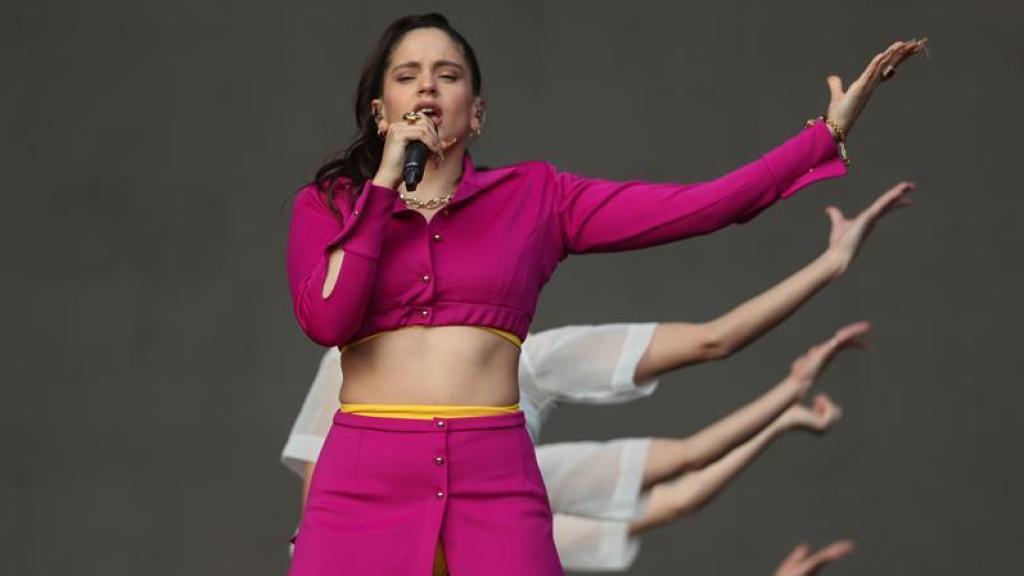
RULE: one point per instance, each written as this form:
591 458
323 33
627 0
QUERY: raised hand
805 369
801 562
848 235
847 105
818 417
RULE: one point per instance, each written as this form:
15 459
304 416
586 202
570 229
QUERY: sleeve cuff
809 156
638 338
623 548
628 501
300 450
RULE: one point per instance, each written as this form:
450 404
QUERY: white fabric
600 480
594 487
314 420
581 364
594 545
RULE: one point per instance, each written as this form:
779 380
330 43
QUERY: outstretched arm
598 215
681 496
678 344
668 457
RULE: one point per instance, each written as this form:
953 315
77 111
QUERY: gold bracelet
839 136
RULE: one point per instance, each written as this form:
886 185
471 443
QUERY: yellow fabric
440 564
425 411
361 340
503 333
506 335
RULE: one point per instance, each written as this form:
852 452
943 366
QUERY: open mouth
429 111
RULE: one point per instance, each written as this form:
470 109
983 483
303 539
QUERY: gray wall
153 366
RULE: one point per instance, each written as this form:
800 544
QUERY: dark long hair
359 162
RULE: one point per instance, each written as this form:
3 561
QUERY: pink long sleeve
603 216
315 231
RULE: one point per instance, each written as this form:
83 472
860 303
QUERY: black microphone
415 161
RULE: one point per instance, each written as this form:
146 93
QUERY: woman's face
427 70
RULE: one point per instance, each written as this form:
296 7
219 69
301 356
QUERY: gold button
426 278
440 495
440 423
437 237
439 460
424 312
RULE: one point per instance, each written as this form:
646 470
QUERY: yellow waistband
503 333
425 411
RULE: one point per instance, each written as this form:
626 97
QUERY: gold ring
411 117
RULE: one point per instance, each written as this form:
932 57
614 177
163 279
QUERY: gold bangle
839 136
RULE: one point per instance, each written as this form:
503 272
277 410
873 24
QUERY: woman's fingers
801 562
888 64
835 87
872 73
910 48
835 216
815 360
851 332
427 122
826 411
830 553
898 55
872 68
448 142
421 131
801 551
888 200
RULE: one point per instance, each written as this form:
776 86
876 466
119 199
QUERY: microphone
415 161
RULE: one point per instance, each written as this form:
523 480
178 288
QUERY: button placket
426 277
440 460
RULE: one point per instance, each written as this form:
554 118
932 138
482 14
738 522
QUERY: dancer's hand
847 105
847 236
801 562
806 368
818 417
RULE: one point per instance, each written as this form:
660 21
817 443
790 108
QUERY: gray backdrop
153 366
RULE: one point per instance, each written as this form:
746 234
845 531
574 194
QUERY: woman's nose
427 85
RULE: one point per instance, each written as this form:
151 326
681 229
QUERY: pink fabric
484 259
380 500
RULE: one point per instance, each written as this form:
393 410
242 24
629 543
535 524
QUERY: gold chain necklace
431 204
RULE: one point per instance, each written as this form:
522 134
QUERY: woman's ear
476 121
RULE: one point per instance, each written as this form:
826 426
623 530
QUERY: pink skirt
385 490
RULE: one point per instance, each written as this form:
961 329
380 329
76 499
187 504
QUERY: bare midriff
442 365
